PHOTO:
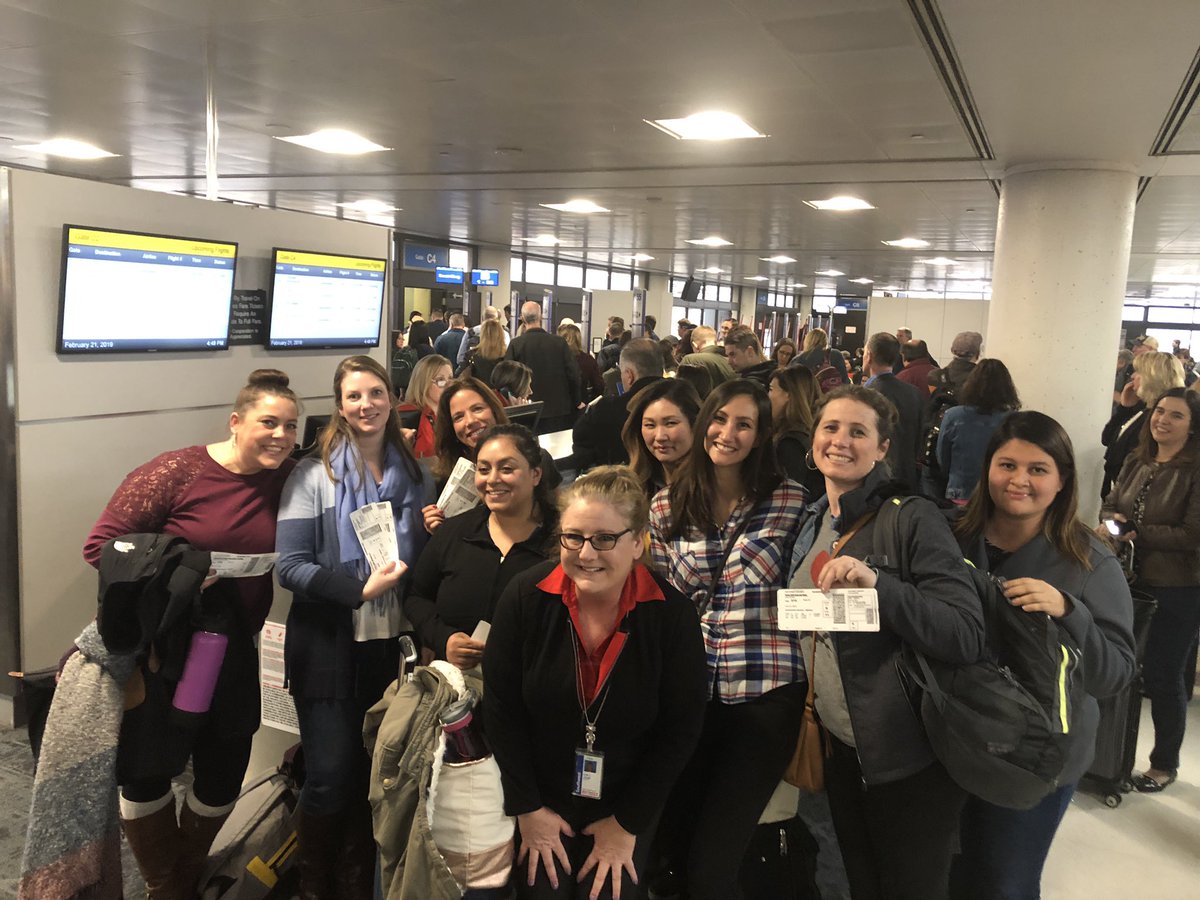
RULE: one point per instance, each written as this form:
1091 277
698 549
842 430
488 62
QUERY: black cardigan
459 577
647 728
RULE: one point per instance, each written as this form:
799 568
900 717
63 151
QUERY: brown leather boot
356 868
196 836
155 842
318 842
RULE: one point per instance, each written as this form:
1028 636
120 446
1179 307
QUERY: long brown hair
337 429
447 448
803 395
1060 523
693 493
675 391
1147 448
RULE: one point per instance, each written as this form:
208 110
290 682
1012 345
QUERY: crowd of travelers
642 701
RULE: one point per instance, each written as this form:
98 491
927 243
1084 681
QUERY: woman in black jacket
473 556
794 397
894 807
1021 525
594 676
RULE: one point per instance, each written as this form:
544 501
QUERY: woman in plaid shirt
722 532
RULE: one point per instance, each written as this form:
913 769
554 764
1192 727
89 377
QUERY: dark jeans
337 767
1172 635
897 839
578 848
1004 850
714 809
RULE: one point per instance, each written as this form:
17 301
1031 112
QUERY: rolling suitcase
1120 716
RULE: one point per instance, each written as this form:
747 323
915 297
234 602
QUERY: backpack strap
890 551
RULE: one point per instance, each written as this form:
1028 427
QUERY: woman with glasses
595 683
472 557
723 532
429 378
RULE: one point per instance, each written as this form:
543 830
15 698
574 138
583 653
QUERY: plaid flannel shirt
747 653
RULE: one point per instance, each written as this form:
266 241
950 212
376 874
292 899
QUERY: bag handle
720 567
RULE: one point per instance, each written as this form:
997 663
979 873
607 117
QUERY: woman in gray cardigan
1158 495
1021 524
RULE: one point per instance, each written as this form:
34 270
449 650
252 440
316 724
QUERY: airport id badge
589 773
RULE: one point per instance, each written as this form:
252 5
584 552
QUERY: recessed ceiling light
780 259
711 270
909 243
887 287
796 284
758 278
839 204
371 207
712 125
335 140
711 241
831 273
641 257
67 148
863 280
940 261
545 240
576 206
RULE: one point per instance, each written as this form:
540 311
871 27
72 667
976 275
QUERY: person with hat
965 350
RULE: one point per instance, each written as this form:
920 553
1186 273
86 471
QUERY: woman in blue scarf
341 651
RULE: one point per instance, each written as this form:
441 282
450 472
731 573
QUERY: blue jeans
1002 851
1172 632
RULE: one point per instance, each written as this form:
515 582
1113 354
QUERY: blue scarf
351 491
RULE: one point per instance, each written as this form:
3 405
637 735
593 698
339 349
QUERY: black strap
716 575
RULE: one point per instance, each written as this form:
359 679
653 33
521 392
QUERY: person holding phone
341 651
1155 505
594 685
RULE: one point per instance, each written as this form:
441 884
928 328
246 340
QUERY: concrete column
1058 285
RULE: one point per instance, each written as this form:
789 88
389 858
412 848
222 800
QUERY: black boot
318 844
356 868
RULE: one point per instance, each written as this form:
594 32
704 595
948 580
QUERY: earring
809 462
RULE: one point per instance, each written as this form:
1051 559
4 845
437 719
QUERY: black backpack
1002 726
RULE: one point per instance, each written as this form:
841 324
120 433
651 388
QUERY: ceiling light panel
711 241
779 259
909 243
839 204
370 207
544 240
829 273
713 125
335 140
863 280
940 261
577 206
711 270
67 148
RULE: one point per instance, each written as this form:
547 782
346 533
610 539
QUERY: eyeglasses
600 541
441 382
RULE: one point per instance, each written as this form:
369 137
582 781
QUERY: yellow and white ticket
845 609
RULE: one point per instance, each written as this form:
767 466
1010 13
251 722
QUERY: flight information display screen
320 300
124 291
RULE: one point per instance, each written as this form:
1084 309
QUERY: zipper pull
783 847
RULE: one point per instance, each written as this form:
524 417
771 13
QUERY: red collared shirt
640 587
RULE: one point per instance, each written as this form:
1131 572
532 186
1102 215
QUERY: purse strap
720 567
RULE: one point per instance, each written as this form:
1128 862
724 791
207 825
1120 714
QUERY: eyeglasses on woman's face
600 541
441 382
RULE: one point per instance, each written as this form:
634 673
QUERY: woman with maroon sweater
223 496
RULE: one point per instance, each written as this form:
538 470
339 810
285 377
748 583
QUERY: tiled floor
1148 848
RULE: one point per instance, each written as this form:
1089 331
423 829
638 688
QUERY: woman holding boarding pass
894 807
341 651
1021 525
594 686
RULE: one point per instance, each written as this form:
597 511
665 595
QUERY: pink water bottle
195 690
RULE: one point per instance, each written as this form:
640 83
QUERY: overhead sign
485 277
425 256
446 275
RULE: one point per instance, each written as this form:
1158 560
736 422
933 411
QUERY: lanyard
589 724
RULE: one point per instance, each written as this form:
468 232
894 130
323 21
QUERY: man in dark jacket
597 437
744 353
556 381
881 354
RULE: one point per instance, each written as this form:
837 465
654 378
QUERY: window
570 276
1173 315
460 258
595 279
622 281
516 269
539 271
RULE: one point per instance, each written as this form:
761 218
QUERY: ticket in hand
846 609
376 532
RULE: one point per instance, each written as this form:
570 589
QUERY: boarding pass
848 609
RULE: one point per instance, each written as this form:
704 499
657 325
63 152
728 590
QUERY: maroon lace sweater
187 493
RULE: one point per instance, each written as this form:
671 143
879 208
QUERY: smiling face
1170 424
470 417
847 445
598 573
437 385
264 434
1023 480
666 432
733 432
364 403
504 478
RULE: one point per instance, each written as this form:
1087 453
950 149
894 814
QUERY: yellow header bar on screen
337 262
91 237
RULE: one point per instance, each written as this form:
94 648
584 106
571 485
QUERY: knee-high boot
356 868
198 826
318 845
155 842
